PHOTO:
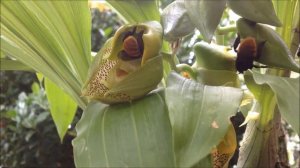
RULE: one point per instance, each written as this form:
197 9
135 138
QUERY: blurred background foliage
27 132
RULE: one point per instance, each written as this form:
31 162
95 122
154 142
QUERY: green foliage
281 86
134 134
258 11
135 11
28 134
274 52
180 124
51 38
62 107
207 116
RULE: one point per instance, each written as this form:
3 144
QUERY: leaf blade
201 119
123 135
62 107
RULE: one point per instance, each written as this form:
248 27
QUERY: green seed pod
128 66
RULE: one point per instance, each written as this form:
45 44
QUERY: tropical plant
183 122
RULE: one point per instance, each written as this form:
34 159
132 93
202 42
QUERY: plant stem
225 30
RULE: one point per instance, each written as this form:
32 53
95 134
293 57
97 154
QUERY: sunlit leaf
136 134
6 64
62 107
205 15
135 11
35 87
51 37
261 11
288 13
199 116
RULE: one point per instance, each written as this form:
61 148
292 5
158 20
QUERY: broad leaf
7 64
205 15
218 78
135 11
275 52
62 107
51 37
288 13
136 134
287 95
176 21
199 116
261 11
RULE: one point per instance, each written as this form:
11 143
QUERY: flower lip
133 45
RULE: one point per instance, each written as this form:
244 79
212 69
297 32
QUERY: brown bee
133 46
247 52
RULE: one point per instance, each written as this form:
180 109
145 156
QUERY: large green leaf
62 107
135 11
136 134
261 11
199 116
288 13
218 78
287 95
205 15
7 64
51 37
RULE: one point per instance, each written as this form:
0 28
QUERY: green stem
225 30
220 39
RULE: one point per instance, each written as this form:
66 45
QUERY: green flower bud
128 66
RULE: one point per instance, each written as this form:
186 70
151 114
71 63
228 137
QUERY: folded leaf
205 15
287 95
261 11
199 116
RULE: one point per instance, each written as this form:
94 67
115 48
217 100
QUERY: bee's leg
236 43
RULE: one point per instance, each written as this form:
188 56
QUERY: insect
133 46
247 52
